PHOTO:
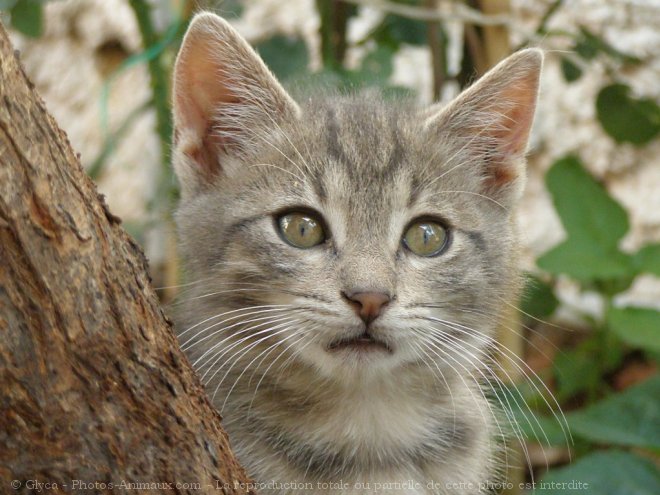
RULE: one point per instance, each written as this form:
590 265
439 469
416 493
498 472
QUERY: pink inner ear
199 85
511 128
517 118
200 91
207 86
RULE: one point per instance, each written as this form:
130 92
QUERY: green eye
425 238
301 230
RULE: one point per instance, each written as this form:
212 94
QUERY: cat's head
347 234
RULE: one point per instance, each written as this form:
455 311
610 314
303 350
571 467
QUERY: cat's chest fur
404 436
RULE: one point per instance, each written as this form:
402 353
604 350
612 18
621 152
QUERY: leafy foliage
625 118
570 70
394 30
286 57
575 371
539 300
594 224
589 45
588 214
647 259
604 473
637 327
630 419
26 16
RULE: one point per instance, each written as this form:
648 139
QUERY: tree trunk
94 390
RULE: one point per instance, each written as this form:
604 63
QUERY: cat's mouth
364 342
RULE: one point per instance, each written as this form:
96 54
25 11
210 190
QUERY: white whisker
223 350
196 340
434 347
512 357
246 367
230 312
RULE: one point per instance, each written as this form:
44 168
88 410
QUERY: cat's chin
364 343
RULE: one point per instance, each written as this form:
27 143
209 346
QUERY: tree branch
460 12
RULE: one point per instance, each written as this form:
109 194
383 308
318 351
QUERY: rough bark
94 389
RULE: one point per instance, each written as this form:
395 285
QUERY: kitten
348 258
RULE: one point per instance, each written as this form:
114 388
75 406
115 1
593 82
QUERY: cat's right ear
223 93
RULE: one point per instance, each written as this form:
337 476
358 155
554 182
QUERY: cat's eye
425 238
300 229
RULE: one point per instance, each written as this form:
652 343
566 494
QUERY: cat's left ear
489 124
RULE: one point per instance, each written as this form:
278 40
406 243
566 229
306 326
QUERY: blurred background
582 353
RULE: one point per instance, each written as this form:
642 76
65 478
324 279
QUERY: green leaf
285 56
590 44
545 430
610 354
587 48
594 222
603 473
538 300
569 70
580 369
653 356
575 372
394 30
586 210
638 327
625 118
536 427
27 17
631 418
647 259
586 262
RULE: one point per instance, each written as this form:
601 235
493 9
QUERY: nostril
350 301
367 305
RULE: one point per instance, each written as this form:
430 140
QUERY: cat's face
349 234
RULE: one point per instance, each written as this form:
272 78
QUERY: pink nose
367 305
